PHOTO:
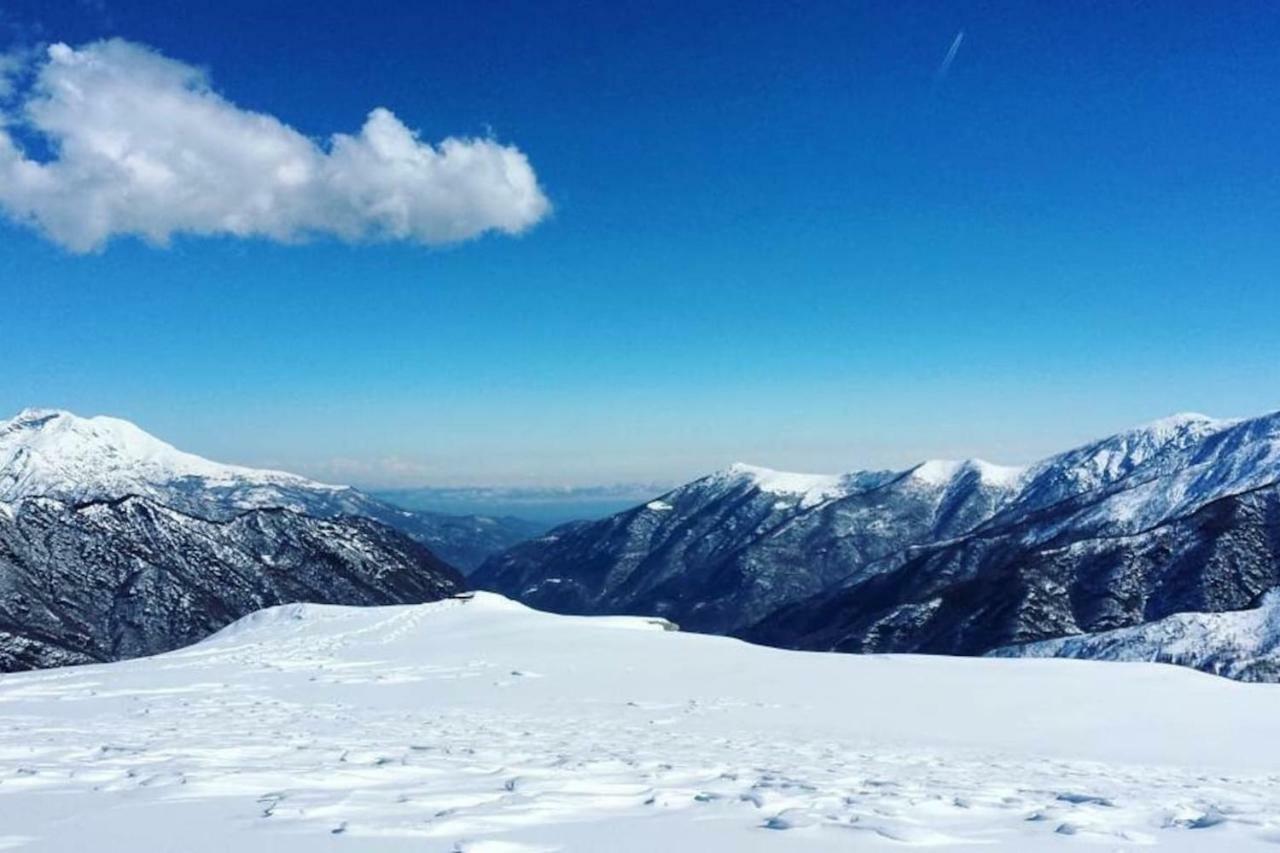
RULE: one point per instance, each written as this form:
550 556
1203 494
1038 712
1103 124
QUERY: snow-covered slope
483 726
1154 448
56 454
1146 476
1240 644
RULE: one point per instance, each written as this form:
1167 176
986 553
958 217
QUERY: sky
573 243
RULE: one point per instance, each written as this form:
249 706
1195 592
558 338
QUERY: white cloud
144 146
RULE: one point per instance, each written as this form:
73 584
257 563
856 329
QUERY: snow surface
480 725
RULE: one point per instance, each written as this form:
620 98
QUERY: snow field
484 726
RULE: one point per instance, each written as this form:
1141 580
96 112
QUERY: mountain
113 578
723 551
1033 581
960 557
51 453
481 726
1181 516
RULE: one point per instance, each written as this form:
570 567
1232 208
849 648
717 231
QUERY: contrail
949 58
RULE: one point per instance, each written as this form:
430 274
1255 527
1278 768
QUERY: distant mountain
1175 516
101 580
51 453
463 541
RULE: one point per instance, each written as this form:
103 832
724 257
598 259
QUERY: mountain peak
1181 421
36 413
935 472
56 453
812 488
34 419
938 472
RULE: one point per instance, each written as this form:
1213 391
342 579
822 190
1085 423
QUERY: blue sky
777 236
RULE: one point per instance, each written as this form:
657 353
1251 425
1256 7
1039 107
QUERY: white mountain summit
54 453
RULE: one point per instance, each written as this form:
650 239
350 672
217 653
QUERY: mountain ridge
796 566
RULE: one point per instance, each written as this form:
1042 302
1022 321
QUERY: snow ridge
943 472
812 489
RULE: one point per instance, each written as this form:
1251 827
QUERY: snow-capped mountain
481 726
724 551
1044 578
52 453
1178 515
114 578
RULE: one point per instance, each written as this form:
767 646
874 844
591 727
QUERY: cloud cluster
142 145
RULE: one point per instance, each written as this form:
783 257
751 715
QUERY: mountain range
1181 515
1158 543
